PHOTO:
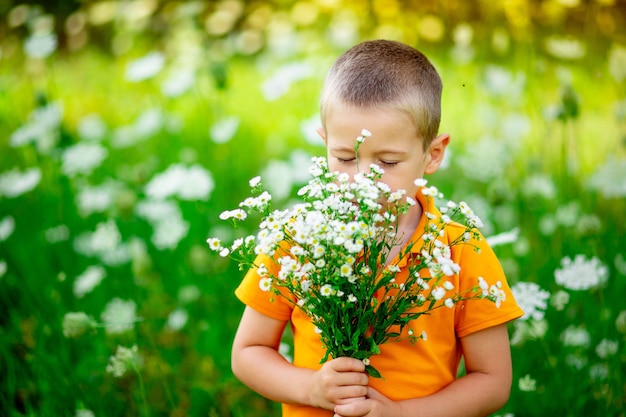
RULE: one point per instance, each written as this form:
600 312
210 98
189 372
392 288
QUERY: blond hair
383 74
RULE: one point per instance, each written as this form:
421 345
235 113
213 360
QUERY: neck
407 223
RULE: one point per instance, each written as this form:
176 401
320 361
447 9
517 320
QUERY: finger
343 401
352 379
345 364
354 408
344 393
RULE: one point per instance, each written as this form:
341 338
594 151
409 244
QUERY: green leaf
373 372
374 347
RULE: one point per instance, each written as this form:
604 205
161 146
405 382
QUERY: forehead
388 126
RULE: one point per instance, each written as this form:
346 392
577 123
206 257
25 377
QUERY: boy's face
394 146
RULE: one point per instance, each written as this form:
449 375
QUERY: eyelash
387 164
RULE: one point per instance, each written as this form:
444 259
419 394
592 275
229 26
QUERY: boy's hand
339 381
375 405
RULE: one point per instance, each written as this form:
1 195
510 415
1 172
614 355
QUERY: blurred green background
128 126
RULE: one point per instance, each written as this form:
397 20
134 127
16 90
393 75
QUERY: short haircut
383 74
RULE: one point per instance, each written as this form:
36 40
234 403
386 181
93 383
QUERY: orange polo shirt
409 371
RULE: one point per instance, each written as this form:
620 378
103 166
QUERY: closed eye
345 160
389 163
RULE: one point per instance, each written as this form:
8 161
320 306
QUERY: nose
363 164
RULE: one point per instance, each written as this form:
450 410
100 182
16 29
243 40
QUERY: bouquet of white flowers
330 253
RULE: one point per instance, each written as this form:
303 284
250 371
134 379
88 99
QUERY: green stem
142 389
166 388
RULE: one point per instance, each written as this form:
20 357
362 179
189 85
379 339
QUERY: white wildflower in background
463 50
149 122
7 226
617 62
559 300
280 82
88 280
40 45
75 324
527 384
499 81
297 159
608 179
588 224
119 316
223 130
607 348
528 330
92 127
178 82
14 183
580 273
504 238
155 211
277 178
188 294
169 228
177 319
308 129
599 371
285 350
531 299
145 67
124 360
82 158
620 322
169 232
515 126
547 224
575 336
576 361
567 48
83 412
178 180
3 267
569 214
106 237
56 234
42 128
344 30
104 243
492 155
97 199
124 137
539 185
198 184
463 34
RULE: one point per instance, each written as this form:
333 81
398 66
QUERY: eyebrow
383 152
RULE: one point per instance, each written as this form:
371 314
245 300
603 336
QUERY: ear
320 131
436 152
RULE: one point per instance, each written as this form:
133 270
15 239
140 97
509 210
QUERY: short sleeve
479 260
265 302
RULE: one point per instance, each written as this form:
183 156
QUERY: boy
393 91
